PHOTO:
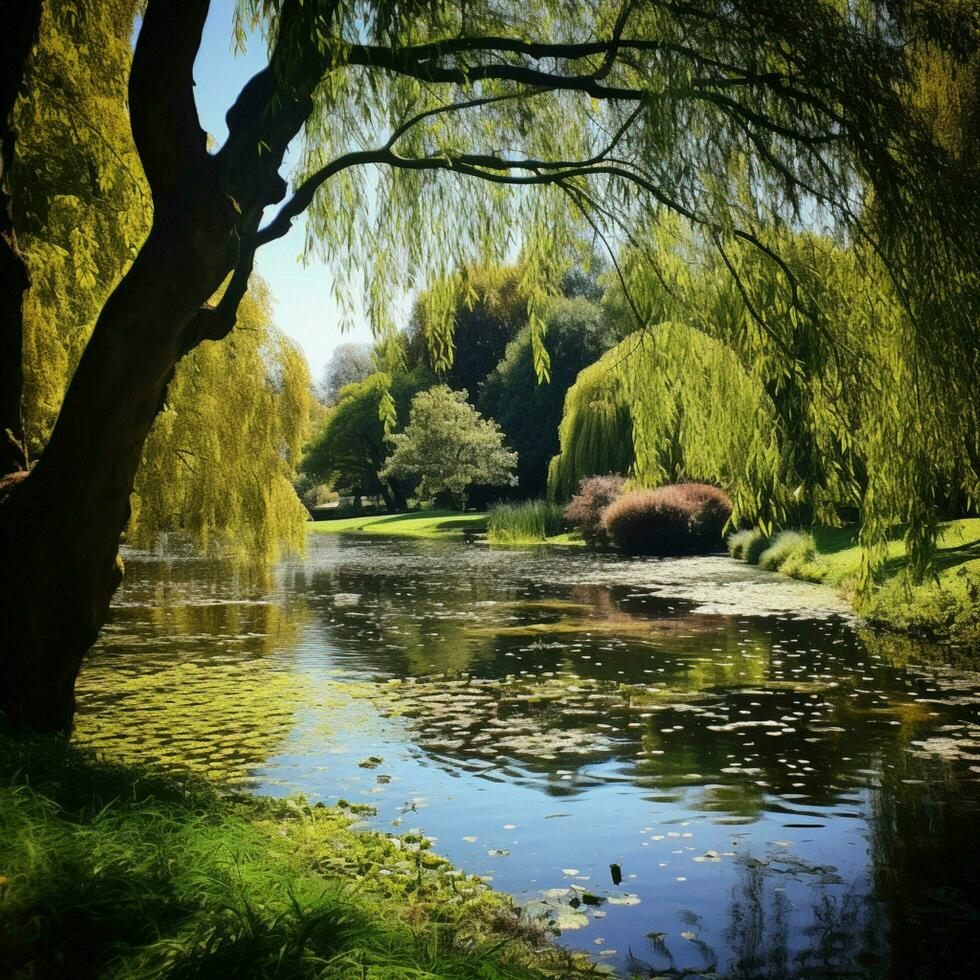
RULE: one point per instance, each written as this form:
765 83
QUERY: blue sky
305 309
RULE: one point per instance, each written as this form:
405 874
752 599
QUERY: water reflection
781 795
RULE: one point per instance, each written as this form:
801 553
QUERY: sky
305 309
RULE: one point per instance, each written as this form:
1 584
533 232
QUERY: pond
688 767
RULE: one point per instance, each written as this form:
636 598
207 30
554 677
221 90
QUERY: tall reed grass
530 520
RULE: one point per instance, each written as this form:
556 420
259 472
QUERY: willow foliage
671 404
82 207
217 463
800 417
549 117
596 431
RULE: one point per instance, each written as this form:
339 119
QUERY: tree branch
162 111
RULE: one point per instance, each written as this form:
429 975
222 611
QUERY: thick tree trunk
62 522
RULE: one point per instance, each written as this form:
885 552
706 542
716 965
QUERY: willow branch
162 110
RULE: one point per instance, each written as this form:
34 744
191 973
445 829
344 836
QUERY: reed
529 520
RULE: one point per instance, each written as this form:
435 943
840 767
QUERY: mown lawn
959 552
945 606
446 524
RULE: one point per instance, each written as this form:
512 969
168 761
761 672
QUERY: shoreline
442 525
945 609
139 869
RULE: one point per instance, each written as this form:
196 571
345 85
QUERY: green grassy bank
945 607
118 871
447 525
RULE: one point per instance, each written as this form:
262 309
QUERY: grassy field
112 870
946 606
446 525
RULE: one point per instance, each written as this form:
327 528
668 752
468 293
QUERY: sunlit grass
121 871
747 545
535 521
526 521
446 524
946 605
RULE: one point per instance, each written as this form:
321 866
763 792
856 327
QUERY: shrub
683 518
736 544
793 547
948 610
530 520
747 545
585 509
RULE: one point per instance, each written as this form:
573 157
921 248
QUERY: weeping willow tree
670 404
596 430
867 421
800 417
217 463
426 131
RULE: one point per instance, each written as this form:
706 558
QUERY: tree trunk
62 522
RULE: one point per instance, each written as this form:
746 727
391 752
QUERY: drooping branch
272 107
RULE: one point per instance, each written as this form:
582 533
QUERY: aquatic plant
529 520
682 518
585 510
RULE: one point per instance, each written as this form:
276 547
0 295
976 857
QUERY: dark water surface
692 768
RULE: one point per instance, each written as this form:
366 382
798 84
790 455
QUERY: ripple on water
777 789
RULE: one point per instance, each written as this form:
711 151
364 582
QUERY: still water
689 767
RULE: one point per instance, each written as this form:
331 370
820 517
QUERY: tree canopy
484 320
528 411
217 464
348 364
447 447
350 449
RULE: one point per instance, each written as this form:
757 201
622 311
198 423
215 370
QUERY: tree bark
60 525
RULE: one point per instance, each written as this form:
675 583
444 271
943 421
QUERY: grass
747 545
945 607
122 871
790 552
525 522
445 524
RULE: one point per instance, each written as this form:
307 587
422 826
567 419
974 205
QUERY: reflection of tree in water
553 683
844 935
171 602
400 628
192 671
924 822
